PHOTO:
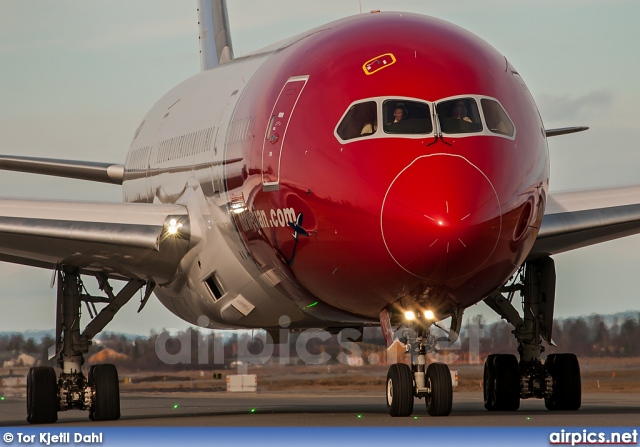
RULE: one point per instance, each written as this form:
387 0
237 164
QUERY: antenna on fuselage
214 34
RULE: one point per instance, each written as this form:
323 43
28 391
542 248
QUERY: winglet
564 131
215 36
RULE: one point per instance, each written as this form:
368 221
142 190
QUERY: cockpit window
459 115
361 120
496 118
406 117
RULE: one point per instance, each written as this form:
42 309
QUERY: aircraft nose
441 218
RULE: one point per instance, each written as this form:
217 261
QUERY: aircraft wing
581 218
564 131
83 170
124 240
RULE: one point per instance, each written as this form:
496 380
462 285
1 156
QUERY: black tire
440 399
506 385
487 383
567 387
103 380
42 395
501 383
400 390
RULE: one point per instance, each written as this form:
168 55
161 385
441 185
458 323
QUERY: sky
77 77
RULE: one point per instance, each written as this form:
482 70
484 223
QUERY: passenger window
361 120
459 116
406 117
496 118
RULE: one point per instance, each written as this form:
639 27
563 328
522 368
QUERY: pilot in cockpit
459 112
399 113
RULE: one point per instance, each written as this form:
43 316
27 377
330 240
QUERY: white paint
242 305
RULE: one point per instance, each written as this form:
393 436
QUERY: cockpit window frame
373 125
379 132
501 108
411 120
461 121
485 129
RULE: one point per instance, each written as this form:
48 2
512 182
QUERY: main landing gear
99 392
507 380
405 382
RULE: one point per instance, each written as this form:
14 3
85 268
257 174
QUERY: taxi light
409 315
174 226
238 207
429 315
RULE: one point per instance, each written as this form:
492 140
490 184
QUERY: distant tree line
585 337
194 349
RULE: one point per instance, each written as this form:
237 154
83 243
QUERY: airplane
384 182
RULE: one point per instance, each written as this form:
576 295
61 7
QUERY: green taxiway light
312 304
359 416
2 398
175 407
253 410
415 417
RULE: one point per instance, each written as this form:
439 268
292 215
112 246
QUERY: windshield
459 115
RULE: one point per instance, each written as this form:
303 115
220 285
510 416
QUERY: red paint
431 225
364 203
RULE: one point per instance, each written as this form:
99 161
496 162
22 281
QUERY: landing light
174 226
238 207
429 315
409 315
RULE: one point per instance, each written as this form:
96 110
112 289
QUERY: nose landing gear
400 390
405 382
440 390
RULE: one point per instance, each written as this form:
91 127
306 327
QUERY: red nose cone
441 218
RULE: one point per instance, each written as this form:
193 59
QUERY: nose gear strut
433 382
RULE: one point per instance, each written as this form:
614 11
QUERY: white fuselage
178 156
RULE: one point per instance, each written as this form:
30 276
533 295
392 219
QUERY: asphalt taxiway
327 408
